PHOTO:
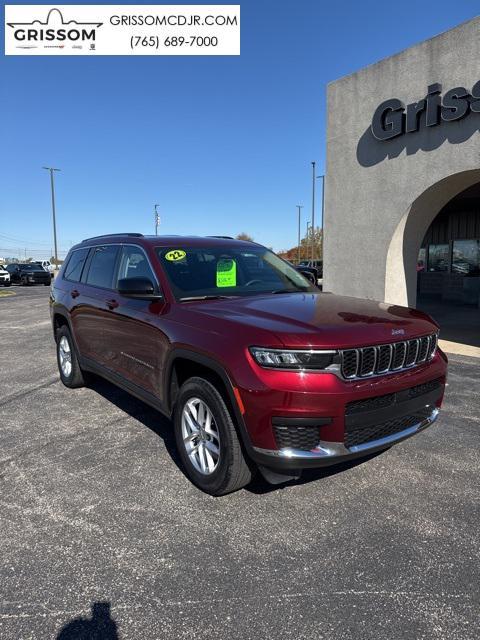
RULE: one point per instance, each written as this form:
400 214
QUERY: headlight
316 360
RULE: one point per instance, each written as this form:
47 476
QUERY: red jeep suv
257 367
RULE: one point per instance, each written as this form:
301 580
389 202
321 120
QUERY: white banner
117 30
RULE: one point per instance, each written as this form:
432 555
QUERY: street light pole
299 207
52 187
313 210
157 219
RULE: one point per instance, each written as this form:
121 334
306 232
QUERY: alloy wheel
200 436
65 356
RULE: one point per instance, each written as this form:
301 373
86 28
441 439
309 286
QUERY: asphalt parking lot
97 517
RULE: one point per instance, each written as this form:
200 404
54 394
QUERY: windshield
228 271
30 267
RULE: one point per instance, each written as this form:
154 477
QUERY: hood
321 319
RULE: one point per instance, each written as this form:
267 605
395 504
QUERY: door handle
74 293
112 304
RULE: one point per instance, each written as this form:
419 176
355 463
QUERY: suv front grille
399 353
362 435
370 361
380 402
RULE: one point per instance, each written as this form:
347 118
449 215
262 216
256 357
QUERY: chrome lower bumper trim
338 450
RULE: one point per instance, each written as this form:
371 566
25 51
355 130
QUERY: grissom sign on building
392 118
122 30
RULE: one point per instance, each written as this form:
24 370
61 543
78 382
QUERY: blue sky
223 144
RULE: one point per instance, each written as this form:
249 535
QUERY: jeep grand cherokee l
257 368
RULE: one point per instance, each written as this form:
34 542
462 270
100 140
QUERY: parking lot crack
26 392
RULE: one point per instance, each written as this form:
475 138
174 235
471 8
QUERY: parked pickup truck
258 370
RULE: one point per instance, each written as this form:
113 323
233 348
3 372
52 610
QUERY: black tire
46 284
232 472
7 284
24 282
75 378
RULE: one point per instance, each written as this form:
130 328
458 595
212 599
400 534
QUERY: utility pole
299 207
52 186
157 219
313 209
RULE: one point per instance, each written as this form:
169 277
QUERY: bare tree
244 236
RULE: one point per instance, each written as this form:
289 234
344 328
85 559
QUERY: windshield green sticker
175 254
226 273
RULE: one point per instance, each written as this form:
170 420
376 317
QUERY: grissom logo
54 31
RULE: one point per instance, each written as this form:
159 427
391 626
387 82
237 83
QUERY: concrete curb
459 349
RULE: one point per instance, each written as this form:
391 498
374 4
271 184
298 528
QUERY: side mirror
309 276
139 288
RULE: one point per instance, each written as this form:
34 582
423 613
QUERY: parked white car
4 277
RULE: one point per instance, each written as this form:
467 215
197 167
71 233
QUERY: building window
466 257
438 257
422 259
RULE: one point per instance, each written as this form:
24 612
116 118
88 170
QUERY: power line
23 240
14 247
17 250
31 249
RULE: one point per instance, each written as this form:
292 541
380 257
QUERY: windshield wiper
288 291
210 297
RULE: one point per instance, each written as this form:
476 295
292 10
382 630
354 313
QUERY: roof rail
222 237
114 235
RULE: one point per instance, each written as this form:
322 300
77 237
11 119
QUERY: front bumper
39 279
353 418
328 453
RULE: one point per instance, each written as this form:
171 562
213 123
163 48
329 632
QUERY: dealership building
402 191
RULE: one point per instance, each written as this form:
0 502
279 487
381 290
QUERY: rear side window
73 270
102 266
